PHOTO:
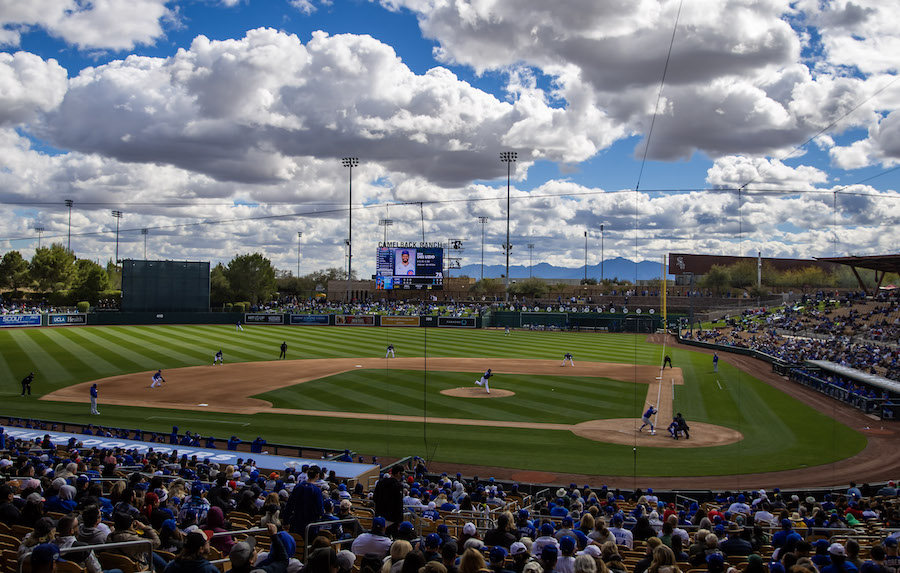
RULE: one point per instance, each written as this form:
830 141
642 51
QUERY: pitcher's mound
477 393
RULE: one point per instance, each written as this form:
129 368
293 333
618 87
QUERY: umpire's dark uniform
26 384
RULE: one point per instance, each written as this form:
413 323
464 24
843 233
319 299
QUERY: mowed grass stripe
42 362
148 337
155 354
70 360
67 340
206 339
126 358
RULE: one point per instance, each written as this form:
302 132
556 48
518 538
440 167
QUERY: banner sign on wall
355 320
66 319
263 318
12 320
457 322
399 321
310 319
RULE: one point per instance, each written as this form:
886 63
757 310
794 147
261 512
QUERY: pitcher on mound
484 380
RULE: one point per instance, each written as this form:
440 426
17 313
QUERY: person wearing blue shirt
233 443
94 409
256 445
210 443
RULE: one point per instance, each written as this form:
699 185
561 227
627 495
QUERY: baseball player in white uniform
390 351
218 358
484 381
157 379
238 326
568 357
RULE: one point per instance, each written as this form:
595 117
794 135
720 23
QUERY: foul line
196 420
719 385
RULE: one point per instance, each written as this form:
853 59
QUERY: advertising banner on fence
355 320
263 318
11 320
457 322
399 321
66 319
310 319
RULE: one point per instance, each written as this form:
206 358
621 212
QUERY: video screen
409 268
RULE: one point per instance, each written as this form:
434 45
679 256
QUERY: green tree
90 280
114 272
716 279
53 268
251 277
14 272
531 287
219 289
487 286
589 281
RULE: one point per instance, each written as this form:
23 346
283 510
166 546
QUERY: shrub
229 306
83 306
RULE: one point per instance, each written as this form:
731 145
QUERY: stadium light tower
69 204
144 232
39 229
482 220
385 223
350 162
118 216
530 263
508 157
299 234
601 253
585 257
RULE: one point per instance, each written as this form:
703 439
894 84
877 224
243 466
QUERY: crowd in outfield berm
194 512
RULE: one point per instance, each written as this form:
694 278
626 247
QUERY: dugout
165 286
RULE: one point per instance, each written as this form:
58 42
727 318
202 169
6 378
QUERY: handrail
307 541
102 546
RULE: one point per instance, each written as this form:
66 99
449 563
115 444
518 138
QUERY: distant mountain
613 268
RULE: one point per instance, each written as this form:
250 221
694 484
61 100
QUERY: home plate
203 405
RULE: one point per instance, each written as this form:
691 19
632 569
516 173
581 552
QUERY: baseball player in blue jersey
218 358
484 381
94 409
238 326
646 419
568 357
390 351
157 379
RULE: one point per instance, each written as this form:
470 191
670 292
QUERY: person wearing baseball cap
44 558
497 559
194 557
374 541
839 563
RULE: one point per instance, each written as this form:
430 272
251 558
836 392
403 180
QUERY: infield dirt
227 389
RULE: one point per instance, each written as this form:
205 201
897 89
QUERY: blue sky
123 105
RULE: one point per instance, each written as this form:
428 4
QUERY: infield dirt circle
228 389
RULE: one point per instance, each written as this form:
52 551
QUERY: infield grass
780 432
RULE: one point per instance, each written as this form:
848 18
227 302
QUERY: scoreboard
408 266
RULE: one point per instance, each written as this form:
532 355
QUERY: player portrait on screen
405 262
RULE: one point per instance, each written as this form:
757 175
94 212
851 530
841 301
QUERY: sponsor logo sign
66 319
13 320
263 318
399 321
456 322
310 319
355 320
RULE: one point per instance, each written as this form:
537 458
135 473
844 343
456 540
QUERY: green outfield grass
780 432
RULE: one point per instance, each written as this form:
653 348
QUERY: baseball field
336 390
